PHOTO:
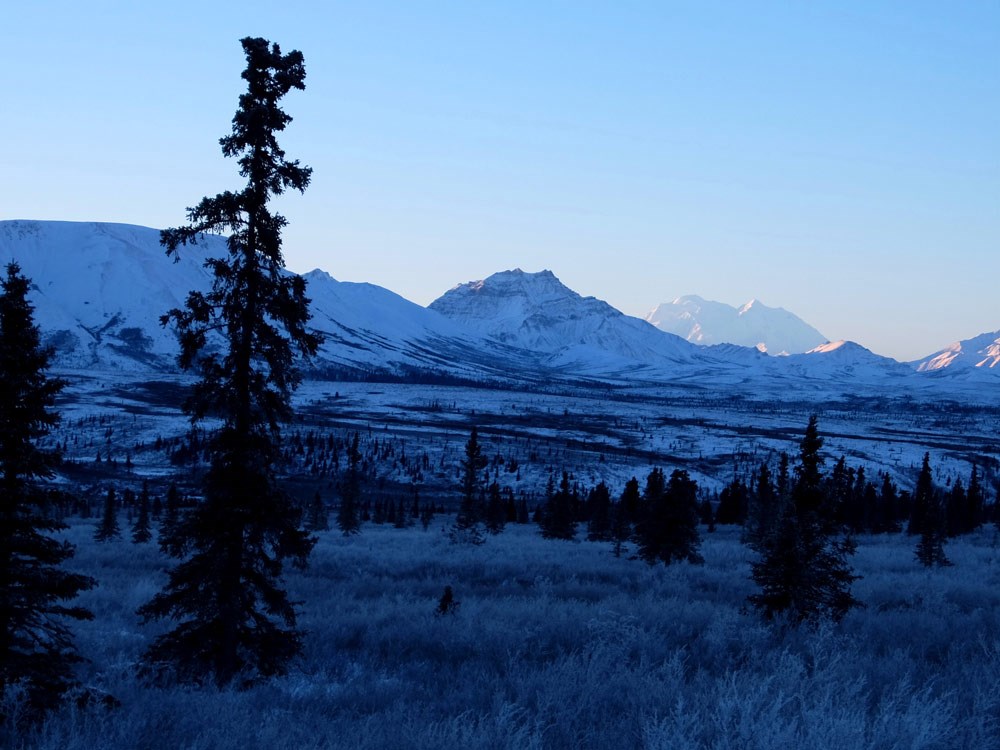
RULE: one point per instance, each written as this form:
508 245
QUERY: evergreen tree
467 528
667 528
630 500
928 519
496 510
558 520
975 499
887 516
348 520
235 619
141 532
108 528
36 647
765 507
733 502
171 513
599 514
802 568
956 510
319 515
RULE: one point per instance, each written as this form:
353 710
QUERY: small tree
235 619
36 647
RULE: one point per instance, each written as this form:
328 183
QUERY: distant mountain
770 329
844 360
538 312
980 353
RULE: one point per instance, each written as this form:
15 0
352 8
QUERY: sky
837 159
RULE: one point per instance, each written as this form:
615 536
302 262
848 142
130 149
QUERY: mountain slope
770 329
981 353
536 311
100 289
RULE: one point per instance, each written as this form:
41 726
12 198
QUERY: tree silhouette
141 532
36 648
108 528
235 619
348 517
928 519
468 528
802 568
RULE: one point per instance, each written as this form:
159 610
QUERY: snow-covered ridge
538 312
100 291
770 329
980 352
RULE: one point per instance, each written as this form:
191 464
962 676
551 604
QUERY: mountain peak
537 311
755 325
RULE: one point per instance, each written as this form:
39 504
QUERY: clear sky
839 159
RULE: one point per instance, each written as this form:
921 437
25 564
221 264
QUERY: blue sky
838 159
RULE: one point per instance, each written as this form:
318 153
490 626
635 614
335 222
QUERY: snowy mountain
980 353
844 360
770 329
99 291
536 311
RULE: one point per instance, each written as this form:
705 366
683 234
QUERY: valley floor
562 645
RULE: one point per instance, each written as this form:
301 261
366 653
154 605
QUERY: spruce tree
319 515
496 510
802 567
36 647
928 519
108 528
235 620
558 521
667 529
141 532
467 528
348 515
599 514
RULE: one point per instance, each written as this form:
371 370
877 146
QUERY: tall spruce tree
235 619
36 647
802 566
928 519
468 526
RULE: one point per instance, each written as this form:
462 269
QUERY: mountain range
100 290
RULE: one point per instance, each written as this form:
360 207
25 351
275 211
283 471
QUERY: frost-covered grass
561 645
